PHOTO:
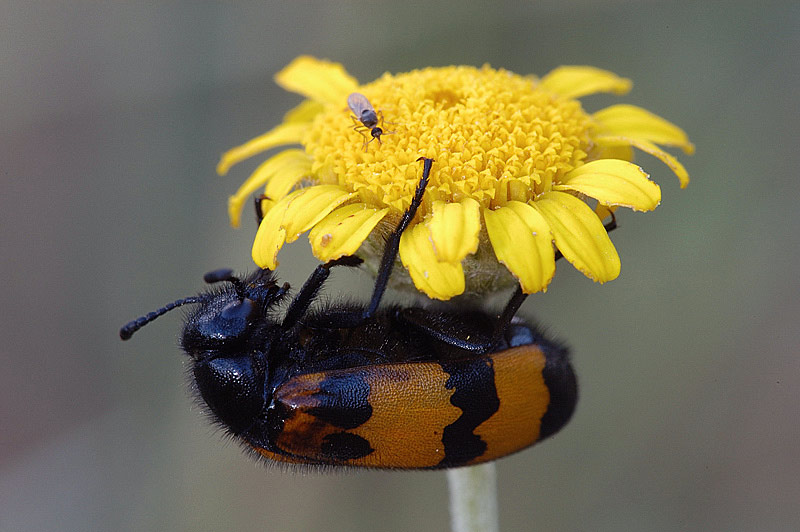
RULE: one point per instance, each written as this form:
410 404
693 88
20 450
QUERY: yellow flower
517 164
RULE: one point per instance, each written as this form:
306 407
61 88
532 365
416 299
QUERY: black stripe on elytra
563 386
343 400
342 446
476 395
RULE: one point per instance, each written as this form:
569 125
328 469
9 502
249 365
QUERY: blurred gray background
112 118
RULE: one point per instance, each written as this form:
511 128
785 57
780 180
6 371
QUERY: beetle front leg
307 294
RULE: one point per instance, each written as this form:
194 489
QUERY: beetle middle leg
393 244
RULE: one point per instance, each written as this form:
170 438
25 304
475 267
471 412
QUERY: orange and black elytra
367 386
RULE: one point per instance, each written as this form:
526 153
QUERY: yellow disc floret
516 158
494 135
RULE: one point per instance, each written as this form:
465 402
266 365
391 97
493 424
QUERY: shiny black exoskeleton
245 350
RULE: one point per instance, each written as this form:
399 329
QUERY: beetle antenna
127 331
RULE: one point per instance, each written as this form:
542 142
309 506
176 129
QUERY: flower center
495 138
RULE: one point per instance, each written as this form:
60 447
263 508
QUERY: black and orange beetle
392 387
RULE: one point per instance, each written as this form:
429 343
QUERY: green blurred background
112 118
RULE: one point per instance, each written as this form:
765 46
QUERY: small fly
366 119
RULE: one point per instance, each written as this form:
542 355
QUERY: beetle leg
504 319
461 332
393 244
259 209
610 226
353 319
307 294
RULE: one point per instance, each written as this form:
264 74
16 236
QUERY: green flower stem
473 498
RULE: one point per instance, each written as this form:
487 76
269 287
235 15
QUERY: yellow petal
438 280
313 204
317 79
277 136
454 229
283 182
604 211
342 232
652 149
288 166
613 182
522 241
271 235
614 152
637 123
578 81
266 205
303 113
579 235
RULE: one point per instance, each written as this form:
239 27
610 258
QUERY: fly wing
358 103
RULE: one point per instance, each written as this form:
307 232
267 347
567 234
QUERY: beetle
365 118
394 387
